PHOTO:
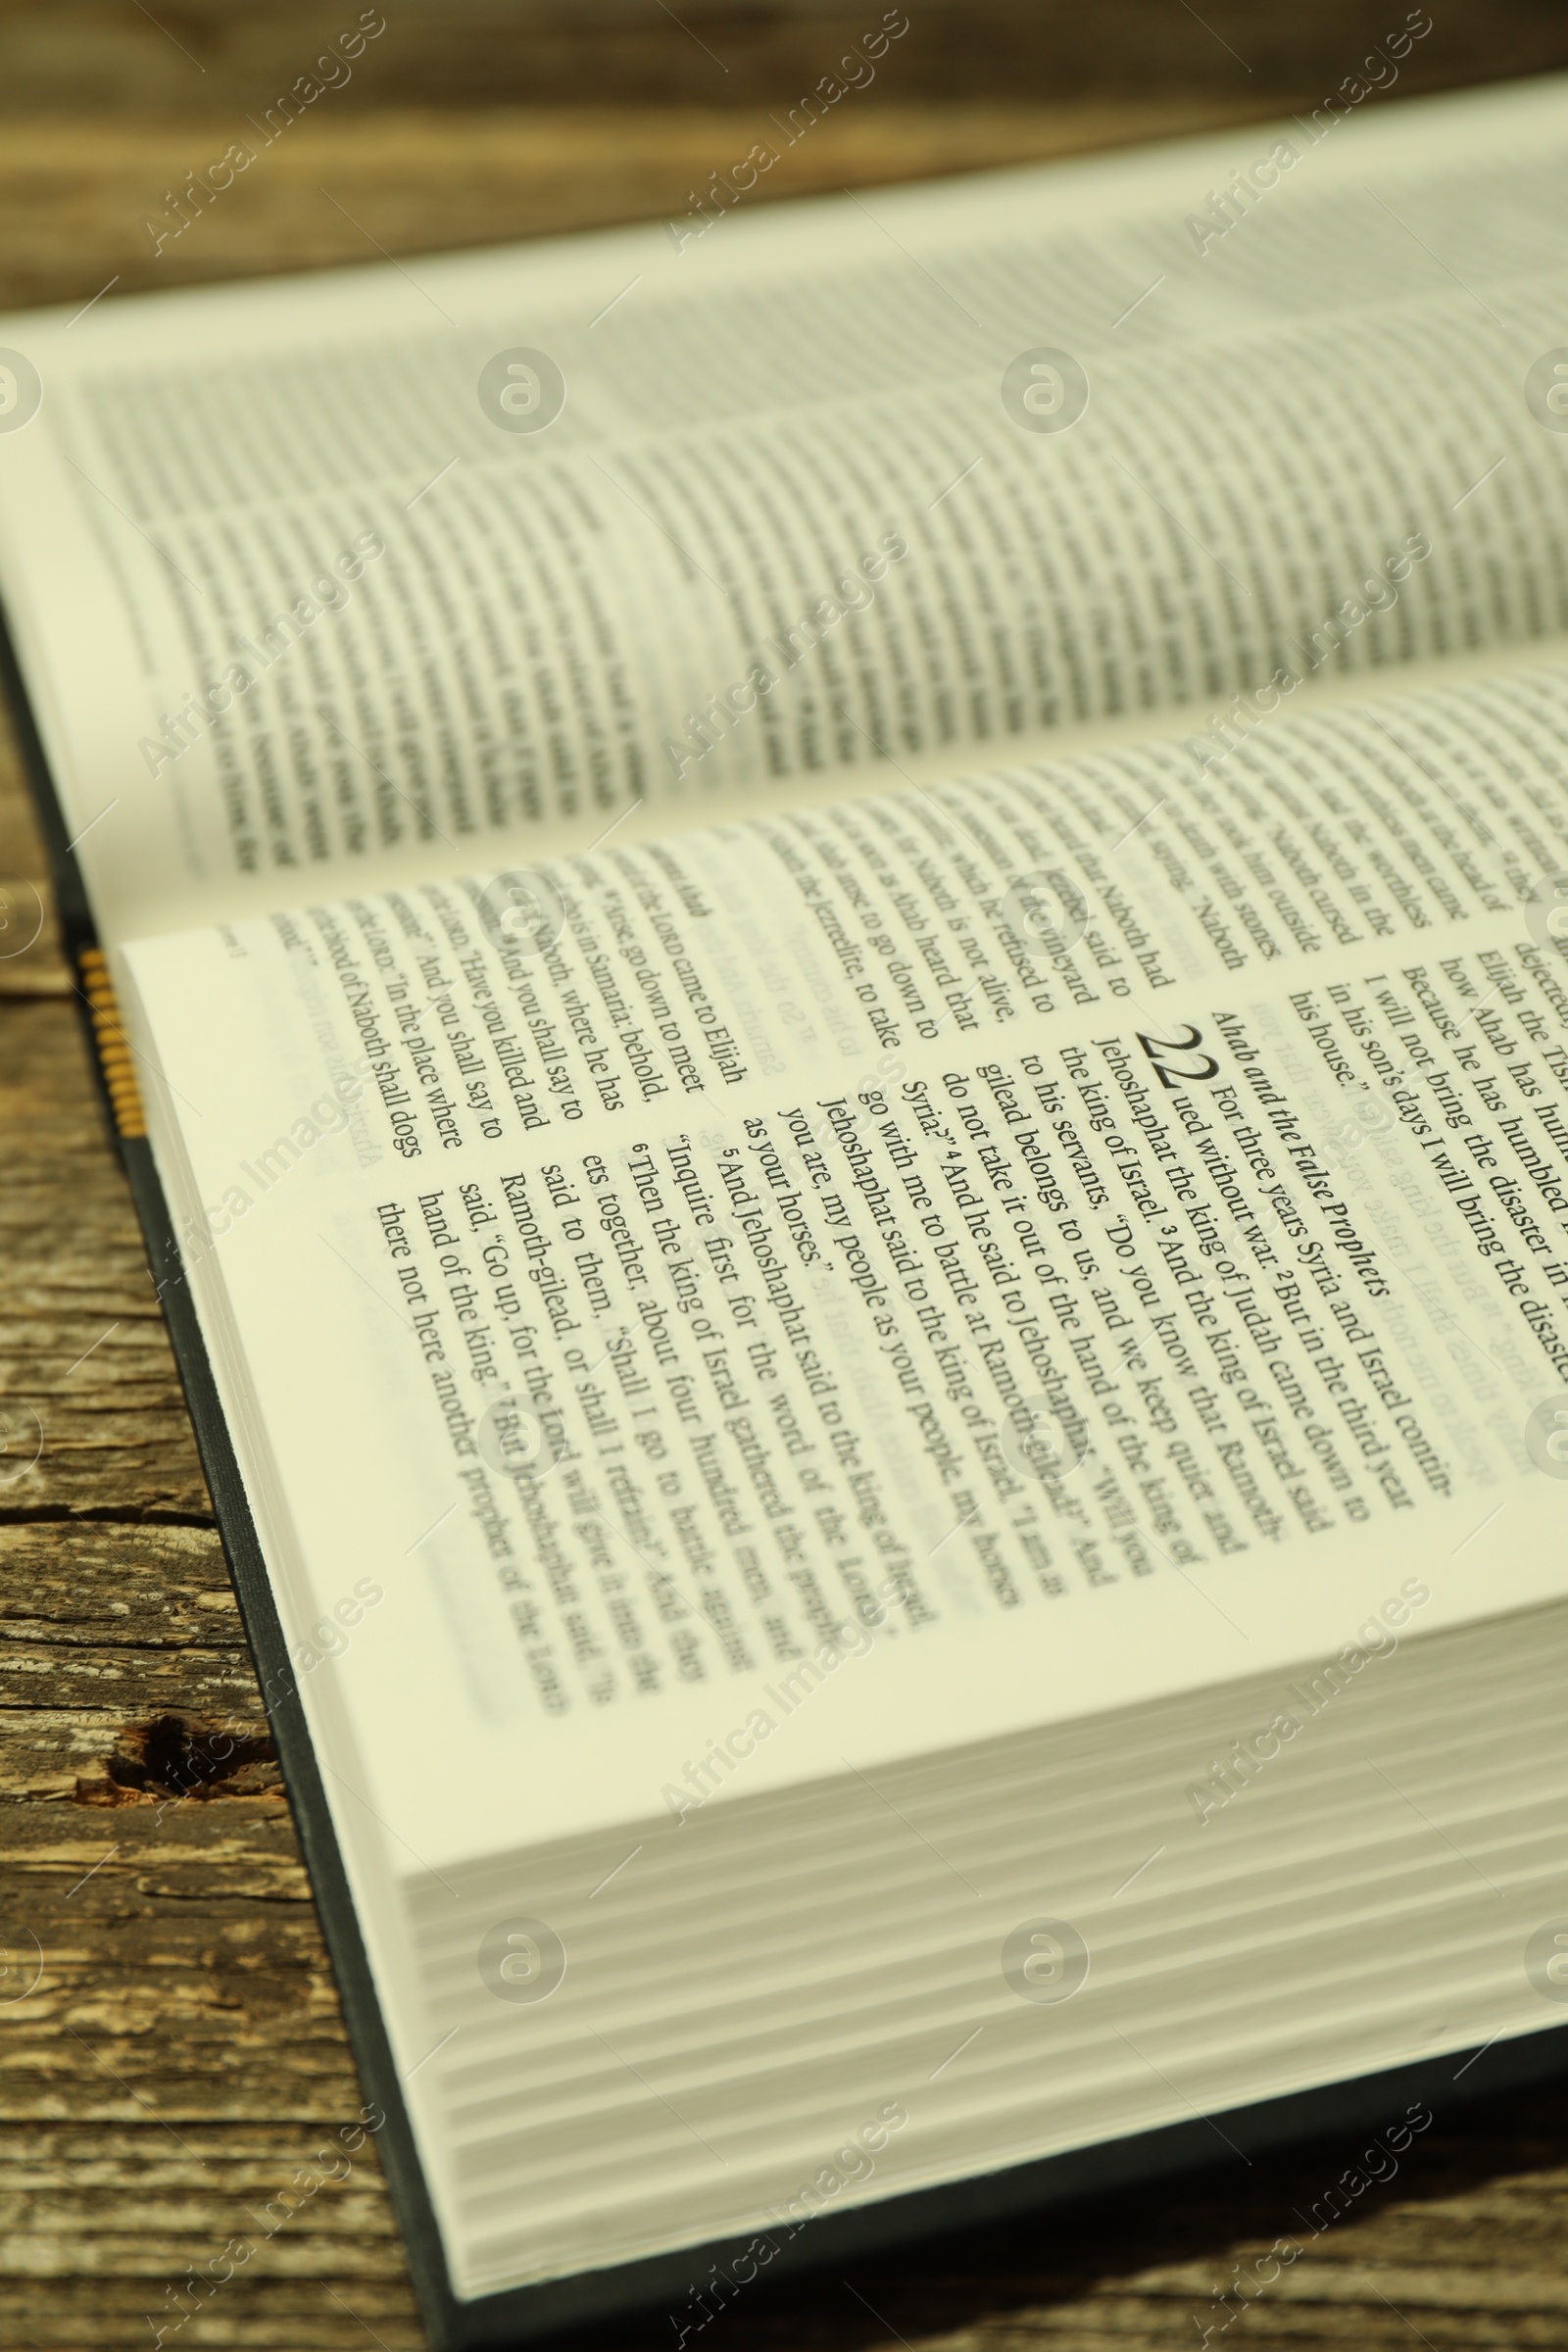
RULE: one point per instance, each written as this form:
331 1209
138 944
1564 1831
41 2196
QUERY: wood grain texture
172 2055
192 57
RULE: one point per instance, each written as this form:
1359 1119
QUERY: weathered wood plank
94 1422
205 55
172 2053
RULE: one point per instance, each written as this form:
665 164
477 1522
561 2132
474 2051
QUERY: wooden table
169 2037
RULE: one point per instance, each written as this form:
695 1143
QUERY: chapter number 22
1168 1053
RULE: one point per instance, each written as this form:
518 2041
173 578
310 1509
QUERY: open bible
831 959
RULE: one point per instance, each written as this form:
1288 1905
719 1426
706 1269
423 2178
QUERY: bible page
893 1273
350 580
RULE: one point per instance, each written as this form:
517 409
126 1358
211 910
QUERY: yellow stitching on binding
114 1047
